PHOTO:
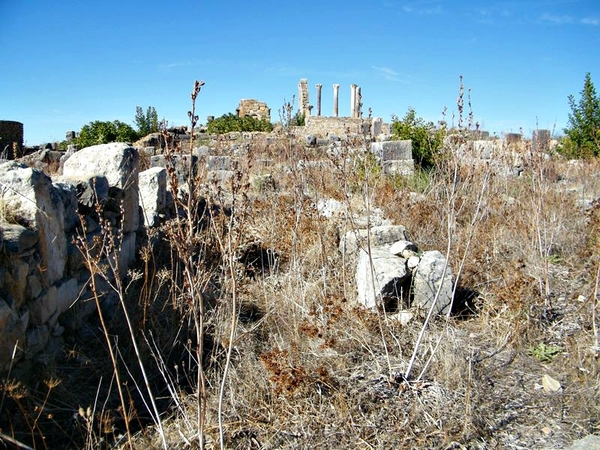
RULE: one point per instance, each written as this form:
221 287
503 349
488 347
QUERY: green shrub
298 119
231 122
99 132
426 140
583 130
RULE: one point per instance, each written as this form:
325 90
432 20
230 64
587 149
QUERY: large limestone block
181 164
402 167
427 279
68 195
89 191
37 204
392 150
118 162
153 194
379 276
383 235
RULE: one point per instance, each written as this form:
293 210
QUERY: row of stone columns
306 108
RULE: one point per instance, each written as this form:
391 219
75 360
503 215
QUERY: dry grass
309 368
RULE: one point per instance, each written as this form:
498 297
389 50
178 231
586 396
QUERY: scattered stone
412 263
404 317
330 207
38 205
118 162
378 236
427 280
379 277
550 384
403 248
392 150
18 239
153 195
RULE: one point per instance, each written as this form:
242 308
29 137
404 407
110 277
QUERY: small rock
413 262
399 247
550 384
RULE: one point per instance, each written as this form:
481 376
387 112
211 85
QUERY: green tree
99 132
147 122
583 129
426 140
231 122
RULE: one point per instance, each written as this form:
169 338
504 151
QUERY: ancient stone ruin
253 108
11 139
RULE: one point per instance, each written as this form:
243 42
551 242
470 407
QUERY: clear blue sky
66 63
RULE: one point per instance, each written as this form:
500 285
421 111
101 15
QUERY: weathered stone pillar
303 102
319 87
336 92
358 104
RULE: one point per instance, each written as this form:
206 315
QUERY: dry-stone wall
323 126
44 283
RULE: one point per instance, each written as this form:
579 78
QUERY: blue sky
66 63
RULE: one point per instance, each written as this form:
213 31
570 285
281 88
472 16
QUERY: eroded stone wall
254 108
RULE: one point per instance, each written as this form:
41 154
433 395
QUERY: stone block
221 163
403 248
427 280
402 167
68 194
379 277
392 150
153 194
18 239
384 235
118 162
66 295
376 126
127 253
43 308
202 150
31 196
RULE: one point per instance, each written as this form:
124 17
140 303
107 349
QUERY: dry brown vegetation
243 309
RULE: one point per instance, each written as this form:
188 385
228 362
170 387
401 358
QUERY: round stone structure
11 139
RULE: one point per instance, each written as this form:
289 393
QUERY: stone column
319 87
336 92
358 104
353 100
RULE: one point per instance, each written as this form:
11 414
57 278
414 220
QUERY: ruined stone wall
11 131
44 282
254 108
322 126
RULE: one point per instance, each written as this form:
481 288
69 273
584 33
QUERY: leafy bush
99 132
583 130
426 140
298 119
231 122
146 123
